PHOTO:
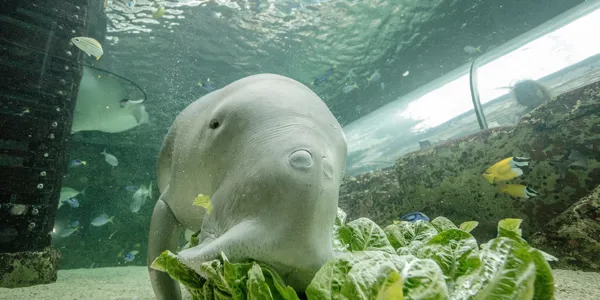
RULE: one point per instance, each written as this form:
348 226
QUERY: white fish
140 196
88 45
349 88
101 220
69 231
110 159
382 86
472 50
100 105
405 74
68 193
374 77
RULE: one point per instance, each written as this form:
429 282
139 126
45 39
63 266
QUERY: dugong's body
271 155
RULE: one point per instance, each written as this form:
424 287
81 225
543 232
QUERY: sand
133 283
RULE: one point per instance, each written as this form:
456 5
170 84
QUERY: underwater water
437 199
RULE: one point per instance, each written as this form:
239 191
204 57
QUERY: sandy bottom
133 283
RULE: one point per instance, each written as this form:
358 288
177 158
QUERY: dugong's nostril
327 167
300 159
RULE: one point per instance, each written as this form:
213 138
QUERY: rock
446 179
23 269
574 236
371 194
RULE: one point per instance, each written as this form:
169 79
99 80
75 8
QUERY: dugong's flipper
165 231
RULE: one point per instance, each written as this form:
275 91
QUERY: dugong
271 155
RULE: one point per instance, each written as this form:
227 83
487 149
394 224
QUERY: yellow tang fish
518 190
88 45
204 201
506 169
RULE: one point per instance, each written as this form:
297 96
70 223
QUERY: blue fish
76 163
207 85
131 188
414 216
130 256
73 202
74 224
323 78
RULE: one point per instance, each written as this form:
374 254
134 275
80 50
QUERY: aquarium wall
558 54
393 73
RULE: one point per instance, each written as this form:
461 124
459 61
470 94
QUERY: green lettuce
403 233
455 252
406 260
226 280
441 224
468 226
362 235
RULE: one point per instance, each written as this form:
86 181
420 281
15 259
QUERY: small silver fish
349 88
88 45
382 86
110 159
76 163
69 231
140 196
101 220
68 193
130 256
472 50
374 77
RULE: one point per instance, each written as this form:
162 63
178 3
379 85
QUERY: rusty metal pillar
40 74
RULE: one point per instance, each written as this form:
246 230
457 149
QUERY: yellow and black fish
506 169
518 190
89 45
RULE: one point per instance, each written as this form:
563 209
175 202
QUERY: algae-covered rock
371 194
446 179
23 269
574 236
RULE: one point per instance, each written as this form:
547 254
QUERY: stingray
103 105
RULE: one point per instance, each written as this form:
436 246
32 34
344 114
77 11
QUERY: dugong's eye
214 124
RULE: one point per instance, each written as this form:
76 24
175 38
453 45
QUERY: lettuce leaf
407 260
404 233
373 274
340 221
362 235
507 272
441 224
468 226
455 252
226 280
509 228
